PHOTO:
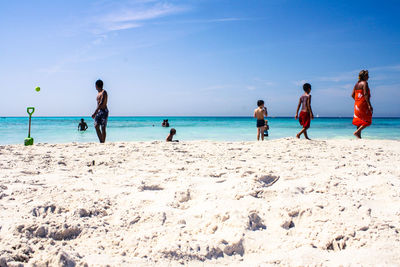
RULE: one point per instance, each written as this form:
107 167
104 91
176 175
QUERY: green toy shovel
29 140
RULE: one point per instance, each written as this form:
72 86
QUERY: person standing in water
362 107
100 115
259 114
306 114
82 126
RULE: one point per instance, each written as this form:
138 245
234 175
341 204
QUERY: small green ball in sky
37 88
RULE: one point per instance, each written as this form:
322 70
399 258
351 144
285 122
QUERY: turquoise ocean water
13 130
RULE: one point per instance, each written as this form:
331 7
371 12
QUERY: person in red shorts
306 114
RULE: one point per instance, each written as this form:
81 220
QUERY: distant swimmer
165 123
362 107
306 114
172 132
100 115
82 126
259 114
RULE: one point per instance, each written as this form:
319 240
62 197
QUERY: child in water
266 128
259 114
172 132
306 114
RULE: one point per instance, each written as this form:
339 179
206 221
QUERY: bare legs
101 134
303 131
103 129
357 133
260 132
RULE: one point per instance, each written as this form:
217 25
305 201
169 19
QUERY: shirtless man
306 113
100 116
259 114
82 126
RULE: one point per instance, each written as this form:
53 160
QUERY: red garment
362 114
305 119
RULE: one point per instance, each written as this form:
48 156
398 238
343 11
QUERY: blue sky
203 57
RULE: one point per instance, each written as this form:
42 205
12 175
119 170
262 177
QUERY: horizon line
194 116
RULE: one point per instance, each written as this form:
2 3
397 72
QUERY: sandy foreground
286 202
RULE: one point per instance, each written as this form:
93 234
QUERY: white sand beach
288 202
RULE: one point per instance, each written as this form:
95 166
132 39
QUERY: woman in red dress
362 106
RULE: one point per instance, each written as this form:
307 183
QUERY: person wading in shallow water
362 106
100 115
82 126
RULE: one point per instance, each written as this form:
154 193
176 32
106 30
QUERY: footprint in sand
155 187
268 180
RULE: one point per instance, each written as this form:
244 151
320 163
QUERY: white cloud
341 77
134 15
264 83
80 55
121 26
120 15
353 75
146 13
387 68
